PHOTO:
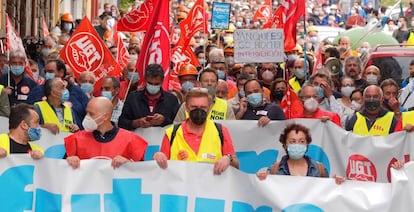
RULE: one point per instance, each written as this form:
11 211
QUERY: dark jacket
21 91
136 106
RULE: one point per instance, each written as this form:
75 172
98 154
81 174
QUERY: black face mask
278 95
198 116
372 104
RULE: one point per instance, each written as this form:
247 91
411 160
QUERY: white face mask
347 90
372 79
89 124
311 105
355 105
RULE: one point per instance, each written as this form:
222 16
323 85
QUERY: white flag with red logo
85 51
14 43
196 21
137 19
264 12
44 27
156 45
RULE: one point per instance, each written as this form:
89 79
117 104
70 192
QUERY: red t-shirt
334 117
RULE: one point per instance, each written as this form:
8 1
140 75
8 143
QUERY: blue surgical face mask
241 93
153 89
49 76
319 92
255 99
87 87
299 73
186 86
313 40
133 76
221 74
107 94
65 95
36 76
17 70
296 151
67 26
34 133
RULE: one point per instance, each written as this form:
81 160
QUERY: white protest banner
258 46
341 152
52 185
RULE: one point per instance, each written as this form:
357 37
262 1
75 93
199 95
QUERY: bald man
373 119
222 89
103 139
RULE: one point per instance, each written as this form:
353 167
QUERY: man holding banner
103 139
198 139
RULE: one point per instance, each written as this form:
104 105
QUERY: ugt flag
138 19
85 51
156 45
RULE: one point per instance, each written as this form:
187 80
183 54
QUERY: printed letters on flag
85 51
137 19
156 45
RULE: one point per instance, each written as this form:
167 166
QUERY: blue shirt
313 169
21 90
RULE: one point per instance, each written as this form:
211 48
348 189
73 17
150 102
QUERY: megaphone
334 65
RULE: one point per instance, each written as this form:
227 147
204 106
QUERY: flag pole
8 51
205 36
305 32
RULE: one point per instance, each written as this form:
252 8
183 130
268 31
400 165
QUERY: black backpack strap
174 131
220 132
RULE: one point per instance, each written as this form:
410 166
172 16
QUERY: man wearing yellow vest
374 119
299 78
198 139
23 127
220 110
55 113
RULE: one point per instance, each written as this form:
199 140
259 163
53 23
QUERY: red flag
44 27
290 104
122 55
276 20
14 42
156 45
264 12
137 19
180 55
293 10
85 51
196 21
318 62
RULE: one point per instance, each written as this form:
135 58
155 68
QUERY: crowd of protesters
354 97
